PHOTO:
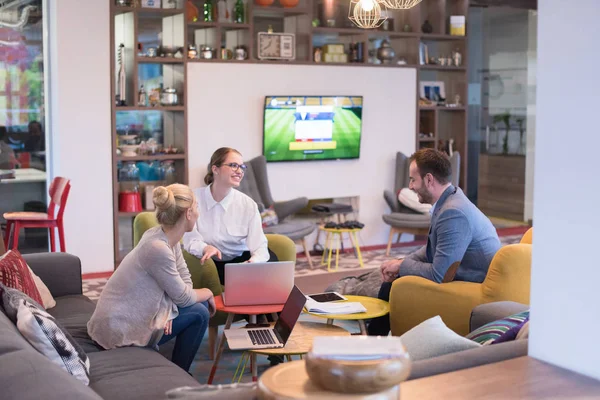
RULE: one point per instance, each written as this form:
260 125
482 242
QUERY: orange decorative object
192 11
264 3
289 3
130 202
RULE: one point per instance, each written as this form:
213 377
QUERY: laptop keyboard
261 336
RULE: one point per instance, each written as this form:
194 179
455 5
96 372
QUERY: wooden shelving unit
133 26
138 24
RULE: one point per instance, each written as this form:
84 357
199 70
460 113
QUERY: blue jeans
189 328
380 326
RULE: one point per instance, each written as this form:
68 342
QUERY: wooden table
299 343
519 378
523 378
375 308
290 381
252 311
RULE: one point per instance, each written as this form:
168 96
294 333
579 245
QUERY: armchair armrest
60 272
414 299
391 200
203 276
284 209
283 247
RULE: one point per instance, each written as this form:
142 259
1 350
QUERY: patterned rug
347 261
229 361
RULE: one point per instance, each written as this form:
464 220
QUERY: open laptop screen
290 313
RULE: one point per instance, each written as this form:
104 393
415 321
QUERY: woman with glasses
229 227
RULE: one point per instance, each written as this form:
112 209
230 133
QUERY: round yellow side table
375 308
290 381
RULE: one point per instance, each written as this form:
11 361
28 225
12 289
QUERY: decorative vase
385 53
264 3
289 3
427 27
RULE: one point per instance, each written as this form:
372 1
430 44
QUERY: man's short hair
434 162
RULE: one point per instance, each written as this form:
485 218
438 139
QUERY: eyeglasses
236 166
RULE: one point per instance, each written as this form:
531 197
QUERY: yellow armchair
528 237
414 299
205 275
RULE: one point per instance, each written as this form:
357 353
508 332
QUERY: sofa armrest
414 299
468 359
60 272
203 275
391 200
284 209
489 312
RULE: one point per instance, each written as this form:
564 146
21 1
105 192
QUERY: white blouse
232 226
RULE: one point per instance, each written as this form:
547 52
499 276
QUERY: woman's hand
212 308
210 251
169 327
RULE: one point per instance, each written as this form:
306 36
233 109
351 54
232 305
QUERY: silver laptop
269 338
252 284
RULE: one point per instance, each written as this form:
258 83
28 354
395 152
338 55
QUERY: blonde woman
149 300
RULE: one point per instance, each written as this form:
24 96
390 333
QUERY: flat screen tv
305 128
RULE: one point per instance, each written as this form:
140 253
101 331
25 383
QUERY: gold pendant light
400 4
367 14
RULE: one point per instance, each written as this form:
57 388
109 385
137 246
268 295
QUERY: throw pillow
432 338
47 299
488 333
410 199
269 217
45 334
14 273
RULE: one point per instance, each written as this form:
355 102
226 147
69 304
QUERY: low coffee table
252 311
299 343
375 308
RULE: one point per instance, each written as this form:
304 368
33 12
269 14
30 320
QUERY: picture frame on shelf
434 91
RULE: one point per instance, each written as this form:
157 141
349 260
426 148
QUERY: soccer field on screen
279 133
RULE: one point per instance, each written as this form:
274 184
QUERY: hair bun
163 198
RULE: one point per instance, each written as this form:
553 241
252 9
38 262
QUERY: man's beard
424 196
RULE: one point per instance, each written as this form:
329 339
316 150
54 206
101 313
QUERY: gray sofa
126 373
483 355
132 373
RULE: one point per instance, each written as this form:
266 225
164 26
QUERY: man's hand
210 251
390 269
169 327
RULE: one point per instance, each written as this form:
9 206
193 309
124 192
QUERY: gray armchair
402 219
256 185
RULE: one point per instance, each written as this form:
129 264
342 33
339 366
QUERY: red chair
59 191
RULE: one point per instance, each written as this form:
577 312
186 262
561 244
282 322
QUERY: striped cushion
489 333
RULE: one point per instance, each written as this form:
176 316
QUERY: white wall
225 103
532 44
80 125
565 300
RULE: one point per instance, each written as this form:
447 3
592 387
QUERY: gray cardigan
459 232
142 294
